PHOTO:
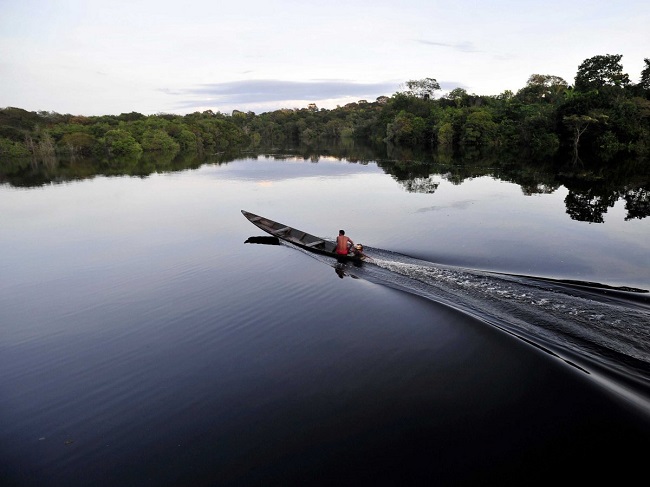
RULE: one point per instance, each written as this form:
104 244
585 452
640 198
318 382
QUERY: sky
88 57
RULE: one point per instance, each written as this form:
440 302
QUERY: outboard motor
358 250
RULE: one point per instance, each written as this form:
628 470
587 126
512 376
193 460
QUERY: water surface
143 342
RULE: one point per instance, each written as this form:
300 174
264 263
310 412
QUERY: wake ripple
594 329
603 330
589 323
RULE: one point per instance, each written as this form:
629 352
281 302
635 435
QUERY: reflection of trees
588 206
30 173
420 185
591 204
532 188
533 179
592 190
592 193
637 203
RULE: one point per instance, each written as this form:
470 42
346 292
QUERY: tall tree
422 88
457 95
543 87
579 124
644 82
601 71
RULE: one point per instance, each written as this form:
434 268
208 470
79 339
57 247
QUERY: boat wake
601 330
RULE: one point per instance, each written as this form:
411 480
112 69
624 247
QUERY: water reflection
592 191
588 200
339 271
263 240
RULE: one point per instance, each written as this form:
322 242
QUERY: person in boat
343 243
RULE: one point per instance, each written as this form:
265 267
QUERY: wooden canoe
298 237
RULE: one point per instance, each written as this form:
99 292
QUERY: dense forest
602 117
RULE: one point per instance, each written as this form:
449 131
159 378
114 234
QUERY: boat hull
299 238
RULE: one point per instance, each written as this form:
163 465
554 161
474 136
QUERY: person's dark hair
341 232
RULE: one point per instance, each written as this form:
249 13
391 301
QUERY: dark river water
493 338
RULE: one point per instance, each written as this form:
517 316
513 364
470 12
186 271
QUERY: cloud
447 86
269 94
268 90
459 46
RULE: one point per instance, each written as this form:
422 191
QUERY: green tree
119 142
129 117
406 128
479 129
10 148
158 140
187 140
458 96
445 137
578 125
422 88
79 143
542 88
644 82
601 71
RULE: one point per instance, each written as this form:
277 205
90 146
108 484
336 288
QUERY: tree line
602 116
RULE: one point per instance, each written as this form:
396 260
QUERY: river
498 334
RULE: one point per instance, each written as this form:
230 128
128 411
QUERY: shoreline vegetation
597 129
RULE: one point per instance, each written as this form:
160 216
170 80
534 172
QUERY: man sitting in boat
343 243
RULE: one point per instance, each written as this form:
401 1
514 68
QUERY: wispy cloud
270 94
269 90
458 46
